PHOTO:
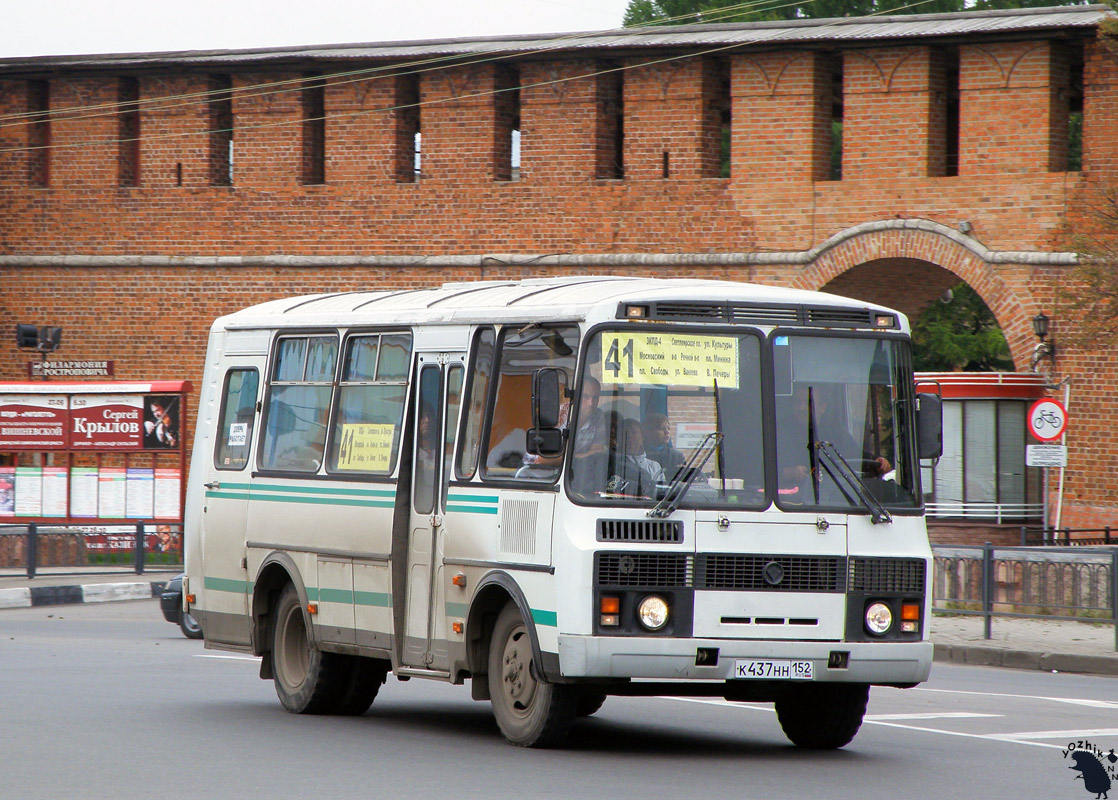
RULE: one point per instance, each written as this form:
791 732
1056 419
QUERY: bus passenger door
224 514
439 378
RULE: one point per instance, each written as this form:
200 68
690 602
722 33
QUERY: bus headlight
879 618
653 612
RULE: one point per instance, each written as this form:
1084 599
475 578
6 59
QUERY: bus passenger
658 444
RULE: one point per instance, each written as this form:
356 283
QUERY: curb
1027 659
24 597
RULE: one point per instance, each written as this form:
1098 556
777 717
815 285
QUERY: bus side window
523 351
370 406
298 402
481 373
238 411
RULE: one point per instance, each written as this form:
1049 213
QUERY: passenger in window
592 435
658 444
793 456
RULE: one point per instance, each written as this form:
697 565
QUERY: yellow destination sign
366 447
670 359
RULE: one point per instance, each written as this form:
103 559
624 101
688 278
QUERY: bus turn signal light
910 611
610 608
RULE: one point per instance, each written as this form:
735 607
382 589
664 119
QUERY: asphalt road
109 701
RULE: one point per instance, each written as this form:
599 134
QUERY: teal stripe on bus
227 585
474 498
548 618
328 501
335 596
471 509
326 495
375 599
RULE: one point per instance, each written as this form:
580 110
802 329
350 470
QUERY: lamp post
45 339
1044 350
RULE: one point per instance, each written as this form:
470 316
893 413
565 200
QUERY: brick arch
927 243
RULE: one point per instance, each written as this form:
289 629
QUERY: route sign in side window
371 394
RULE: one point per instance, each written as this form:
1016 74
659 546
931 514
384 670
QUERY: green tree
1089 299
960 336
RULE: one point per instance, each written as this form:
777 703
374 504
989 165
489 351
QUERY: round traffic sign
1047 419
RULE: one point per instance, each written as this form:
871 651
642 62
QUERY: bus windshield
843 422
649 401
657 406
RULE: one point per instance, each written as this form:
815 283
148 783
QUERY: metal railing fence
1069 583
142 546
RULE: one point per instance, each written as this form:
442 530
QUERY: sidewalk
1017 643
54 587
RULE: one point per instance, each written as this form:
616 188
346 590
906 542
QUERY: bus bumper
675 659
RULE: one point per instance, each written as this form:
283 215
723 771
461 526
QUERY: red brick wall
152 321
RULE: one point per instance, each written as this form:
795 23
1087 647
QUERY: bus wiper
878 512
811 439
685 476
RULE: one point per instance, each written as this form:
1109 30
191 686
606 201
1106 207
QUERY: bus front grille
906 575
643 569
758 573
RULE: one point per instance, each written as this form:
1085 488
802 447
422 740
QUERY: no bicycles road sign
1047 419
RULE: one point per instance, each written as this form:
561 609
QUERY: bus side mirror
929 425
545 437
545 398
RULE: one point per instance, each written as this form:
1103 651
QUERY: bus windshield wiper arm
878 512
685 476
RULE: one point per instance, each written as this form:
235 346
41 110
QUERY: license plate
774 670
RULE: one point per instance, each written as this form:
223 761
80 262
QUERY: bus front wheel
822 716
529 711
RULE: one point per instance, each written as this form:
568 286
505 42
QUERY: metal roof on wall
1029 21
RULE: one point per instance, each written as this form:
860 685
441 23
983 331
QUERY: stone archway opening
953 327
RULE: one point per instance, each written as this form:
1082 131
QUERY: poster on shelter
168 493
54 491
106 422
7 491
111 487
139 495
161 421
33 422
29 491
83 492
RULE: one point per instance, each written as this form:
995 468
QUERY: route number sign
1047 419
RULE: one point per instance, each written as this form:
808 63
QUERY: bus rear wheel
529 711
309 681
823 716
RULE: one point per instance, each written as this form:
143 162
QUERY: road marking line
228 658
1075 701
928 715
1068 735
990 737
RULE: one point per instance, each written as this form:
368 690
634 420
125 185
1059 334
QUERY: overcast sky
71 27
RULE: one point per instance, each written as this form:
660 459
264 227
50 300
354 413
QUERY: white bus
564 489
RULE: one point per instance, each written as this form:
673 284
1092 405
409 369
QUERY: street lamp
45 340
1043 349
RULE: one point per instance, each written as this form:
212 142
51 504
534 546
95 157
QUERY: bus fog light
610 620
879 618
910 627
653 612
